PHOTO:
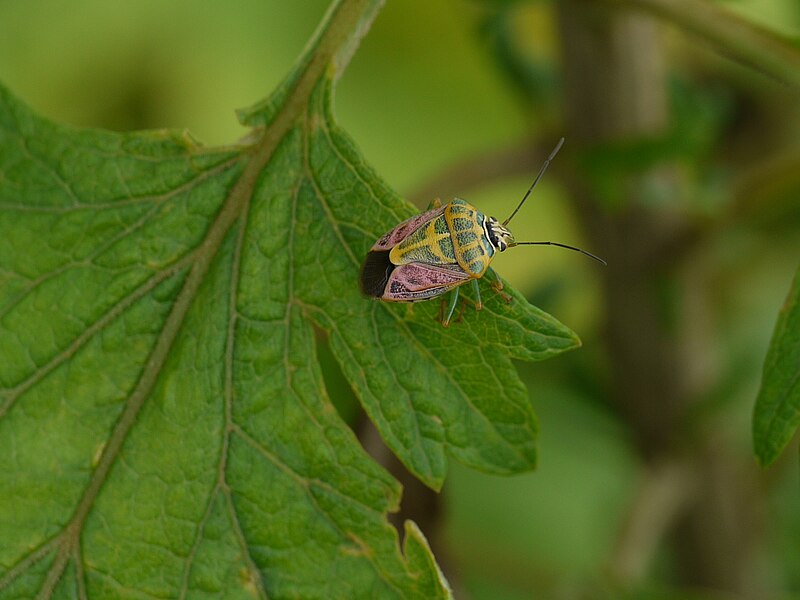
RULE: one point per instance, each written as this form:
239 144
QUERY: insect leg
477 289
461 311
452 307
497 286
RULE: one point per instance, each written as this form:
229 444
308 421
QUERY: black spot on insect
375 273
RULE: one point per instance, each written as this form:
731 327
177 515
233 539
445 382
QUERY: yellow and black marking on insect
441 249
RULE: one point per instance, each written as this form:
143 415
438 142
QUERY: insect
442 249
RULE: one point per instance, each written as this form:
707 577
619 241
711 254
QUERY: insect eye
501 245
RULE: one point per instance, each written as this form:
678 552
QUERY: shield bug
442 249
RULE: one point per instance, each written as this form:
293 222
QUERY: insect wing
377 267
404 229
429 244
417 281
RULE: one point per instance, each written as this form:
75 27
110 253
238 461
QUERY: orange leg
461 312
477 303
497 286
440 317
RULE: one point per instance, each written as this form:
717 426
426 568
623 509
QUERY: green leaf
165 430
777 410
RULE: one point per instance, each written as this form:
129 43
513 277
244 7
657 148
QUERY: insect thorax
471 244
462 235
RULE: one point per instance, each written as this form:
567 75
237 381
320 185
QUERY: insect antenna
589 254
535 181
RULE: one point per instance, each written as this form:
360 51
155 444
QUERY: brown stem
615 87
662 496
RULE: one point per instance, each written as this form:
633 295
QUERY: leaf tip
418 553
765 448
432 480
764 455
575 339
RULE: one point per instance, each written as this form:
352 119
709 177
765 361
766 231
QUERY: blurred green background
456 97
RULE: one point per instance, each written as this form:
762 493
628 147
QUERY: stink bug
442 249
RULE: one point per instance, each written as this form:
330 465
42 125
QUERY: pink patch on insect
406 228
416 281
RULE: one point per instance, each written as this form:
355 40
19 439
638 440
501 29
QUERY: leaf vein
243 545
12 394
305 484
28 560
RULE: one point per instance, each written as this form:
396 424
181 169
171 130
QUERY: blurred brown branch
615 75
479 169
757 47
662 497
